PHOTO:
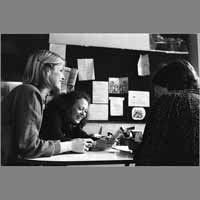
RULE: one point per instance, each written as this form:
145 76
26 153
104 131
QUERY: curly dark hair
177 75
65 102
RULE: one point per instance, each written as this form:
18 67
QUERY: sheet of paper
98 112
60 49
86 69
143 65
116 106
139 98
100 92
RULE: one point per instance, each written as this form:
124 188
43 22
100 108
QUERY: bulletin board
110 62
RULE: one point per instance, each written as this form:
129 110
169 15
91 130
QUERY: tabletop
109 156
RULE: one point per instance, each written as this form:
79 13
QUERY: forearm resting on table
65 146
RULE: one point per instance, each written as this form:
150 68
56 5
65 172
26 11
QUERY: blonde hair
38 64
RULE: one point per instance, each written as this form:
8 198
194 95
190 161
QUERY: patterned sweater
171 135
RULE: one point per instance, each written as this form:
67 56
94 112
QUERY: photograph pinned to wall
123 87
113 85
138 113
118 85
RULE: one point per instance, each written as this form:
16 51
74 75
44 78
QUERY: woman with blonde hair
22 112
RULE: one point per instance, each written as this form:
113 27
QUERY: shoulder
27 92
27 88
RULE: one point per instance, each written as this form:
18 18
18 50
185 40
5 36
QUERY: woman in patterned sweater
171 136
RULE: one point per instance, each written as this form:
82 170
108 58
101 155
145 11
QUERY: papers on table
86 69
139 98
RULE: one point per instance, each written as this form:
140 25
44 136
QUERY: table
110 156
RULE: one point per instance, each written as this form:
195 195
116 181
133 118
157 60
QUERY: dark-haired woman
171 135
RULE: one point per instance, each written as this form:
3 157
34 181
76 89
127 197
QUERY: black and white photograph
49 120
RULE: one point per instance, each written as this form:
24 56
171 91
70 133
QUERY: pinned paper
98 112
116 106
143 65
100 92
68 83
86 69
139 98
60 49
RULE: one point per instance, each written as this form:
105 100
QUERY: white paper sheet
116 106
100 92
60 49
98 112
139 98
86 69
143 65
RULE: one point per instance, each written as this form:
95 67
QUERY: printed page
100 92
86 69
116 106
139 98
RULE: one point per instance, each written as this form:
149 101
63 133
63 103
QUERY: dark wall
15 49
109 62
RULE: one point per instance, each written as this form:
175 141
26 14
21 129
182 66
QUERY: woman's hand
80 145
103 143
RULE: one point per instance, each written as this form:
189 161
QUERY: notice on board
143 65
139 98
100 92
116 106
86 69
98 112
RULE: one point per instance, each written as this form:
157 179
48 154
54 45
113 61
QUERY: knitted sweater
171 135
22 112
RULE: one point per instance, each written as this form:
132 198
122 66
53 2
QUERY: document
143 65
116 106
100 92
98 112
60 49
139 98
86 69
